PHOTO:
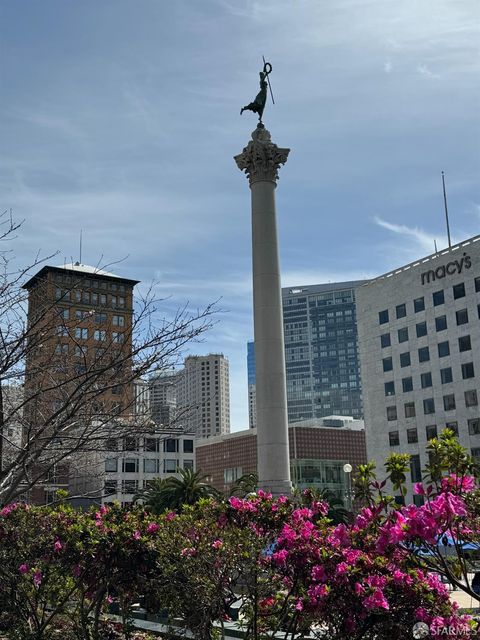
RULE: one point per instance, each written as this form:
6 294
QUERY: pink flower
136 535
170 515
376 601
359 590
217 544
280 557
153 527
109 599
58 546
299 605
23 568
188 552
418 489
318 573
458 483
37 578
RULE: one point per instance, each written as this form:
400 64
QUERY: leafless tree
57 403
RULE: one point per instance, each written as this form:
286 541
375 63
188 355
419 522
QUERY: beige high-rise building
204 395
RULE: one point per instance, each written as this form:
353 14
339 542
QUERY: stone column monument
261 160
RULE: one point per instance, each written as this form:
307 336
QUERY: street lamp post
347 468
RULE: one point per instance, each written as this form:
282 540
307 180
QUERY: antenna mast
446 210
80 257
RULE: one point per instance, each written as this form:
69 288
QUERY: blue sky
122 118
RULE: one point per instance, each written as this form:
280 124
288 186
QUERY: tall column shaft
261 160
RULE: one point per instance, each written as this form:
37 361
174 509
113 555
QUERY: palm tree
175 492
337 512
246 484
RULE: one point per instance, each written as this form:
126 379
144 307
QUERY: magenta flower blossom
217 544
23 568
58 546
136 535
376 601
37 578
153 527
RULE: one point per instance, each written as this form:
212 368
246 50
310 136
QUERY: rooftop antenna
80 258
435 244
446 210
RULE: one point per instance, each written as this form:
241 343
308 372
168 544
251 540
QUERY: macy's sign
449 269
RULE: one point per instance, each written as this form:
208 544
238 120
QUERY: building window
419 304
424 354
130 465
103 299
407 384
391 413
401 311
188 446
426 380
110 487
453 426
438 298
441 323
121 301
111 465
474 426
405 359
415 468
170 466
471 399
81 334
387 364
170 445
100 318
151 444
403 334
151 465
431 431
412 436
390 388
100 335
130 444
458 291
449 402
385 340
129 486
409 410
428 406
383 317
443 349
476 454
188 464
446 375
118 321
111 444
421 329
468 370
393 438
462 316
61 349
464 343
117 337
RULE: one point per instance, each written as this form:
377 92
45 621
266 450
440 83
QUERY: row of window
438 298
446 375
83 333
422 330
87 297
97 317
131 443
443 349
150 465
90 282
449 404
431 432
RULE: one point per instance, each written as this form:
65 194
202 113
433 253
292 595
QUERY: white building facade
419 341
203 398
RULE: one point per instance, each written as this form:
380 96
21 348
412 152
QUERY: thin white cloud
425 71
424 240
388 66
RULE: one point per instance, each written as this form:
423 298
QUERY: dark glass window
441 323
415 468
394 438
423 354
383 317
405 359
464 343
385 340
449 402
458 291
426 380
421 328
443 349
403 334
419 304
387 364
391 413
477 284
170 445
474 426
478 310
438 298
453 426
468 370
401 310
412 436
409 408
390 388
471 398
428 406
188 446
446 375
407 384
431 431
462 316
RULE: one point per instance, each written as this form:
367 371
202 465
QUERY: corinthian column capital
261 158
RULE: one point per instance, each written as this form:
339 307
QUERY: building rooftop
79 269
321 288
